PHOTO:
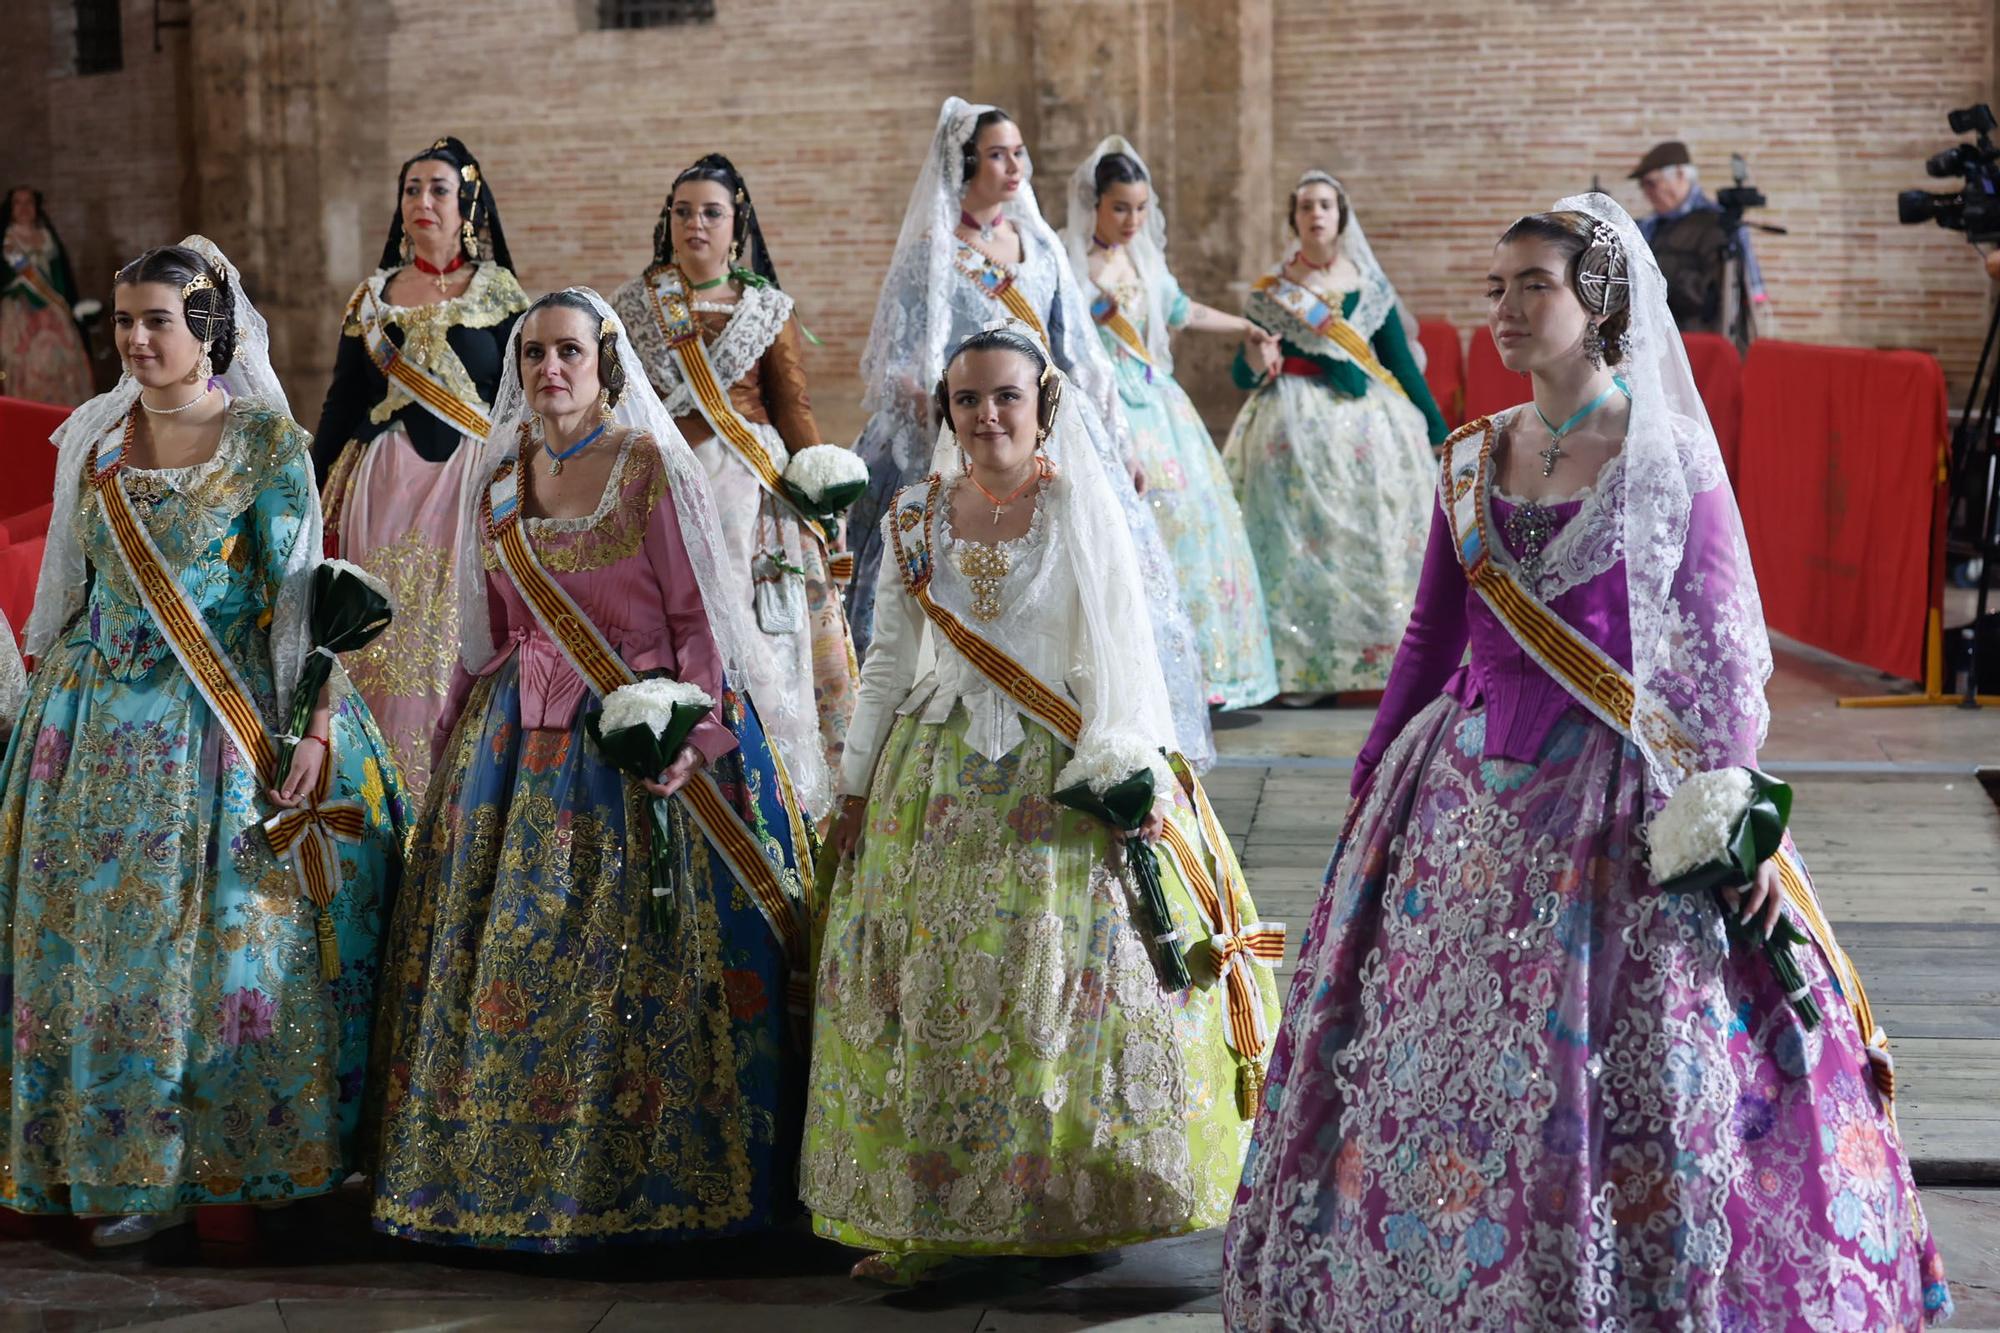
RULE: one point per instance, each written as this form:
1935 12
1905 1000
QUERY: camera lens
1913 206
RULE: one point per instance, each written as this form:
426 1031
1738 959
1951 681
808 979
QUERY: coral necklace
1000 504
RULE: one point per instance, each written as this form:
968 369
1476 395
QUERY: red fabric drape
1444 368
1838 476
1718 377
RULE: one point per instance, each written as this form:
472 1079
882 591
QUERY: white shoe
135 1228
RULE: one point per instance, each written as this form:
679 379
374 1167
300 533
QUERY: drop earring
405 249
195 372
604 411
1593 348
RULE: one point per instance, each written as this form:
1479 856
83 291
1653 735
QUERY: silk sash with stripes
304 837
1236 945
429 392
674 314
990 277
594 659
1607 691
1106 311
1307 308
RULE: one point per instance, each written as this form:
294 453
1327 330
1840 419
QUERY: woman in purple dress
1519 1086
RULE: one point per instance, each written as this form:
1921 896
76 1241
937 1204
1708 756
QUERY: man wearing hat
1689 239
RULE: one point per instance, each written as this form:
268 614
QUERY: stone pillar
1189 83
279 102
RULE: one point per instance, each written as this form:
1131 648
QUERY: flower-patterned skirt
996 1069
1518 1087
560 1074
166 1035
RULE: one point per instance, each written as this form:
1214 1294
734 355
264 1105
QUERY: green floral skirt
996 1069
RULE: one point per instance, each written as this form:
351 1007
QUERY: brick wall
103 148
1444 129
1447 129
826 106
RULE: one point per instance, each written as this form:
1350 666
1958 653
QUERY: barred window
653 13
100 37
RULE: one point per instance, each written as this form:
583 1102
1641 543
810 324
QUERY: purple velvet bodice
1523 702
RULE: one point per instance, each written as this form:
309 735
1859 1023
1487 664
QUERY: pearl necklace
176 411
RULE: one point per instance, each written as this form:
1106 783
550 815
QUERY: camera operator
1690 236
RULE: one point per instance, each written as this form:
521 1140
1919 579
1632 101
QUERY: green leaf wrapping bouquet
1116 780
350 608
1716 830
639 730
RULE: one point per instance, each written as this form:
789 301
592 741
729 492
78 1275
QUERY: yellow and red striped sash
990 277
604 671
1235 944
1596 680
1308 308
304 837
1110 315
668 298
466 418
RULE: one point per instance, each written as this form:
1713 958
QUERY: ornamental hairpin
200 282
1603 273
607 326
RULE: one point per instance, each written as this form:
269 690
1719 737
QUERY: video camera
1974 210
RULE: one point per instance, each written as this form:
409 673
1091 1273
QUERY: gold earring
604 411
735 249
405 249
469 237
195 373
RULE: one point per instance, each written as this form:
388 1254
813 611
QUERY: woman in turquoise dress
566 1069
171 1034
1117 236
1332 455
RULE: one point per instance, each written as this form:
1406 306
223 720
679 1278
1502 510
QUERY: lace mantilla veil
59 590
1148 250
1087 528
1700 654
906 344
639 409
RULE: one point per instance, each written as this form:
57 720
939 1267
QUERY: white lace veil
1148 250
1378 295
59 590
640 409
906 344
1129 700
1700 654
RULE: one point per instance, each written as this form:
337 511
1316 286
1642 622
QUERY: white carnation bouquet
639 730
824 480
1716 830
1117 779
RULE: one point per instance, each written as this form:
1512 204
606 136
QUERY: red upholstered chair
1718 377
27 459
1444 368
32 524
1490 386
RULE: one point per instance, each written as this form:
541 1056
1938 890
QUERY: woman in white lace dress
998 1068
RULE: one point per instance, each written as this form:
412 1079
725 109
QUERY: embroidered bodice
753 344
225 528
1019 595
626 566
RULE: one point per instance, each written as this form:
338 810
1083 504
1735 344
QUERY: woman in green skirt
1003 1060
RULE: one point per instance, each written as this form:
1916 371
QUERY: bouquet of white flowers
640 729
824 480
1717 828
1116 780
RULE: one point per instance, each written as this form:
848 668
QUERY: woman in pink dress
42 356
566 1068
414 378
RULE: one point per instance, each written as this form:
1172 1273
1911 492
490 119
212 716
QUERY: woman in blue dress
171 1030
1117 239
